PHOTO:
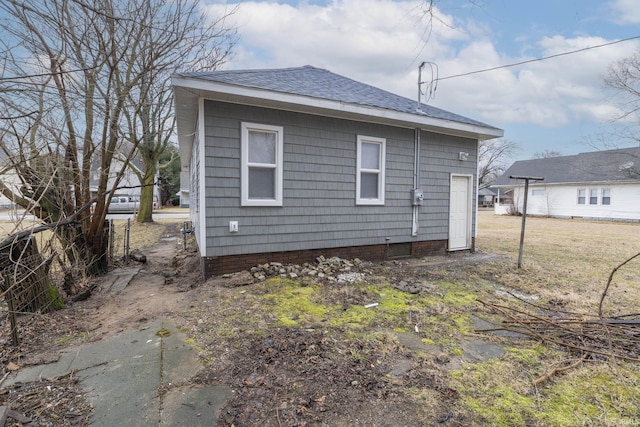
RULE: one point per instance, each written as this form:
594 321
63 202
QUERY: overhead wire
543 58
433 83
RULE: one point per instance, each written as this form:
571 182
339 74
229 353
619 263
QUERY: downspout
416 182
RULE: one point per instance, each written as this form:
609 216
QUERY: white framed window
261 164
370 170
606 196
582 196
538 192
593 196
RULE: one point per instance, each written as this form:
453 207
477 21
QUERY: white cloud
382 42
626 11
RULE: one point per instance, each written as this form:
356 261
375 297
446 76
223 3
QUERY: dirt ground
315 352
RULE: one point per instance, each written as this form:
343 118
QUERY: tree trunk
145 210
97 254
25 279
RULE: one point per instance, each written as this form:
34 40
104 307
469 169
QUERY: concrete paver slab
123 375
194 406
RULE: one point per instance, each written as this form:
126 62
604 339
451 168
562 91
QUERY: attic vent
626 166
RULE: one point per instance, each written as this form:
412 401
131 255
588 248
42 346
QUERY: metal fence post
112 237
524 211
126 241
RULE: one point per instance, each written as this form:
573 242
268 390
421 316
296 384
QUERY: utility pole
524 211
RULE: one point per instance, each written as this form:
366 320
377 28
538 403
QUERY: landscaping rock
334 269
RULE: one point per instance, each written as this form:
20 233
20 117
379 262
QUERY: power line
539 59
30 76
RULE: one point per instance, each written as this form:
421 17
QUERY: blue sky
557 104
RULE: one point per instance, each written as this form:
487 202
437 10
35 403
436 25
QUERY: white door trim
454 240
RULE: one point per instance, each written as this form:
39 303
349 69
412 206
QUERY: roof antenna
432 84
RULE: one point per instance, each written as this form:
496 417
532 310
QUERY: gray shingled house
289 164
593 185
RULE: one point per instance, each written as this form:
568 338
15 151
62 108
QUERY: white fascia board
186 111
266 98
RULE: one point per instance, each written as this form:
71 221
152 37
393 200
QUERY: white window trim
586 197
589 197
602 196
244 160
381 173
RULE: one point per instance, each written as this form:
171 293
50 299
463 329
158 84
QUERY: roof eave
189 89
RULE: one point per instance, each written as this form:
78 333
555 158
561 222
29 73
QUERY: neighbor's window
261 165
370 170
582 196
593 196
606 196
537 192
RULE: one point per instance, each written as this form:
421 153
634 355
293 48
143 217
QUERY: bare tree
493 158
86 89
624 78
545 154
151 125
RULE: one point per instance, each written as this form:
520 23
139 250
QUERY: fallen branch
606 288
591 337
554 371
5 413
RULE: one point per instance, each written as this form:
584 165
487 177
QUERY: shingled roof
322 84
621 165
316 91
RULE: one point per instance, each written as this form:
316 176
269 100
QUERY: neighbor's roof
317 91
621 165
486 192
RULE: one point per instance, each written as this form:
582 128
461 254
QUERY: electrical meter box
417 197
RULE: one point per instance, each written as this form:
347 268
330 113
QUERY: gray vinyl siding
439 158
319 193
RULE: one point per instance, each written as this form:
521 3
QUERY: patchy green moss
54 298
508 408
163 332
588 396
461 323
459 298
501 391
355 316
496 393
393 302
456 352
528 356
293 304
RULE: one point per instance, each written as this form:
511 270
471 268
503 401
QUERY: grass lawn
568 259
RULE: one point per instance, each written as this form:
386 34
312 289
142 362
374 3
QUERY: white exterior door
460 213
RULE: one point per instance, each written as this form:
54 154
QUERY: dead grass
310 352
567 261
141 235
566 265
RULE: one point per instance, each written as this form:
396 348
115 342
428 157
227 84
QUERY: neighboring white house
184 189
10 179
594 185
129 184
